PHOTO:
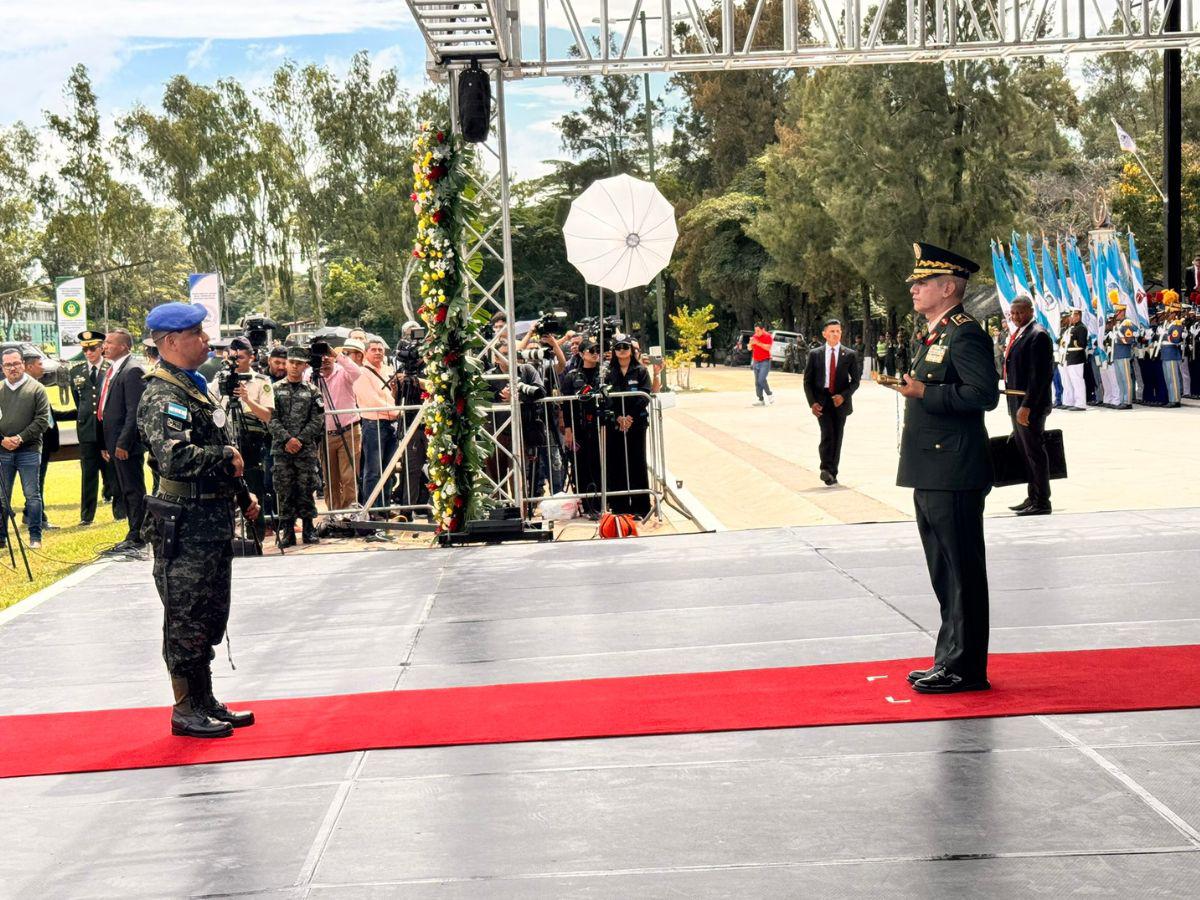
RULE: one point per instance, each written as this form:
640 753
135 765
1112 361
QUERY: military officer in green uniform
191 516
297 428
86 378
951 383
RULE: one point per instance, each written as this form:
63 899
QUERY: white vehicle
781 340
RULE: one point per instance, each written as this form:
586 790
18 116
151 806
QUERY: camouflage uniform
192 455
299 413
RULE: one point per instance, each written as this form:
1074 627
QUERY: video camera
228 378
258 330
317 351
600 329
596 399
549 323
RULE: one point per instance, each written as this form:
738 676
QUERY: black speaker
474 103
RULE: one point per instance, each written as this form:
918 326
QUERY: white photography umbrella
620 233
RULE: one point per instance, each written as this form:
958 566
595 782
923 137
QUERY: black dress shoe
917 674
944 681
1024 503
1035 511
827 477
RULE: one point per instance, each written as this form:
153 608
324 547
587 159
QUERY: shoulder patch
961 319
178 411
266 389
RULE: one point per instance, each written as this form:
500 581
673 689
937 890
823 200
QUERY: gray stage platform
1102 804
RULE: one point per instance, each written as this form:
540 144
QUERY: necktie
104 394
832 369
92 377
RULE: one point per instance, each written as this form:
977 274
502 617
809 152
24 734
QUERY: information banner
205 290
70 301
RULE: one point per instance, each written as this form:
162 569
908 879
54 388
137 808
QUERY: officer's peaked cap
932 260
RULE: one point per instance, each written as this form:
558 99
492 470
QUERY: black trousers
1194 373
131 478
94 469
951 528
1031 441
832 422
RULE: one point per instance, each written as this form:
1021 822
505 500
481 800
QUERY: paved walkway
757 466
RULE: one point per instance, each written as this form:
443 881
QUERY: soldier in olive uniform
86 378
297 428
191 516
951 383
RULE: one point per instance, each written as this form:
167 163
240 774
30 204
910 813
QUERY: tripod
7 513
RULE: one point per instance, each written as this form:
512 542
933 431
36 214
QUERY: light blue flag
1064 280
1050 287
1081 291
1139 310
1118 264
1020 279
1005 292
1036 293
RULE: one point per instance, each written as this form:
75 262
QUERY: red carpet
846 694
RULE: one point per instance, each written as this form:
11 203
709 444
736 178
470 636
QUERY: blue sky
132 47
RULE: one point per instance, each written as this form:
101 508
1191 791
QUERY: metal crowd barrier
604 467
389 476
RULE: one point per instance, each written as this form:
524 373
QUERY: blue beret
175 317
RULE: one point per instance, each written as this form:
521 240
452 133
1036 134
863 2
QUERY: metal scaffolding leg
490 237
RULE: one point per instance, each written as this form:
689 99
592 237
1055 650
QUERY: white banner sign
205 290
70 300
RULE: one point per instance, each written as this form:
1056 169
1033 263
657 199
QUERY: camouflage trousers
194 588
295 482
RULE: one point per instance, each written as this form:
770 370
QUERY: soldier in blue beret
190 525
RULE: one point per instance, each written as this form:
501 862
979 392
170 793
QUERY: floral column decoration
455 389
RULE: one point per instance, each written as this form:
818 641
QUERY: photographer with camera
334 375
529 388
413 487
584 419
373 390
551 363
246 398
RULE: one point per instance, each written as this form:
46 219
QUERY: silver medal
219 417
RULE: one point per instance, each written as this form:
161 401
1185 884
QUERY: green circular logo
71 308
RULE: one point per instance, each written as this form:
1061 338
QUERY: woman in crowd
626 441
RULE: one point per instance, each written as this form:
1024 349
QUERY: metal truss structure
489 237
695 35
596 37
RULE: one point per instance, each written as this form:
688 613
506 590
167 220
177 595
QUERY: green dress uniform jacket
87 400
944 457
944 445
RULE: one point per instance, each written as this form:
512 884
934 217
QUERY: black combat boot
286 529
214 708
308 533
187 719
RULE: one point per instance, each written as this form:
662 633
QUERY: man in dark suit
86 377
944 457
1029 367
120 392
831 377
1192 277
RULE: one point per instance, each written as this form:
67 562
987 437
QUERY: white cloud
198 55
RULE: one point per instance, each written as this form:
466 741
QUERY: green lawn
65 548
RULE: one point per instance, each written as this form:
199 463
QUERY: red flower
413 196
459 405
437 216
432 485
454 523
417 252
428 431
436 172
441 315
425 395
457 501
441 137
445 458
458 458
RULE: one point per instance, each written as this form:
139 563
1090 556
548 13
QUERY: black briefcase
1008 465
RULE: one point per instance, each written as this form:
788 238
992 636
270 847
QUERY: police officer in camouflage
191 516
944 457
297 427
